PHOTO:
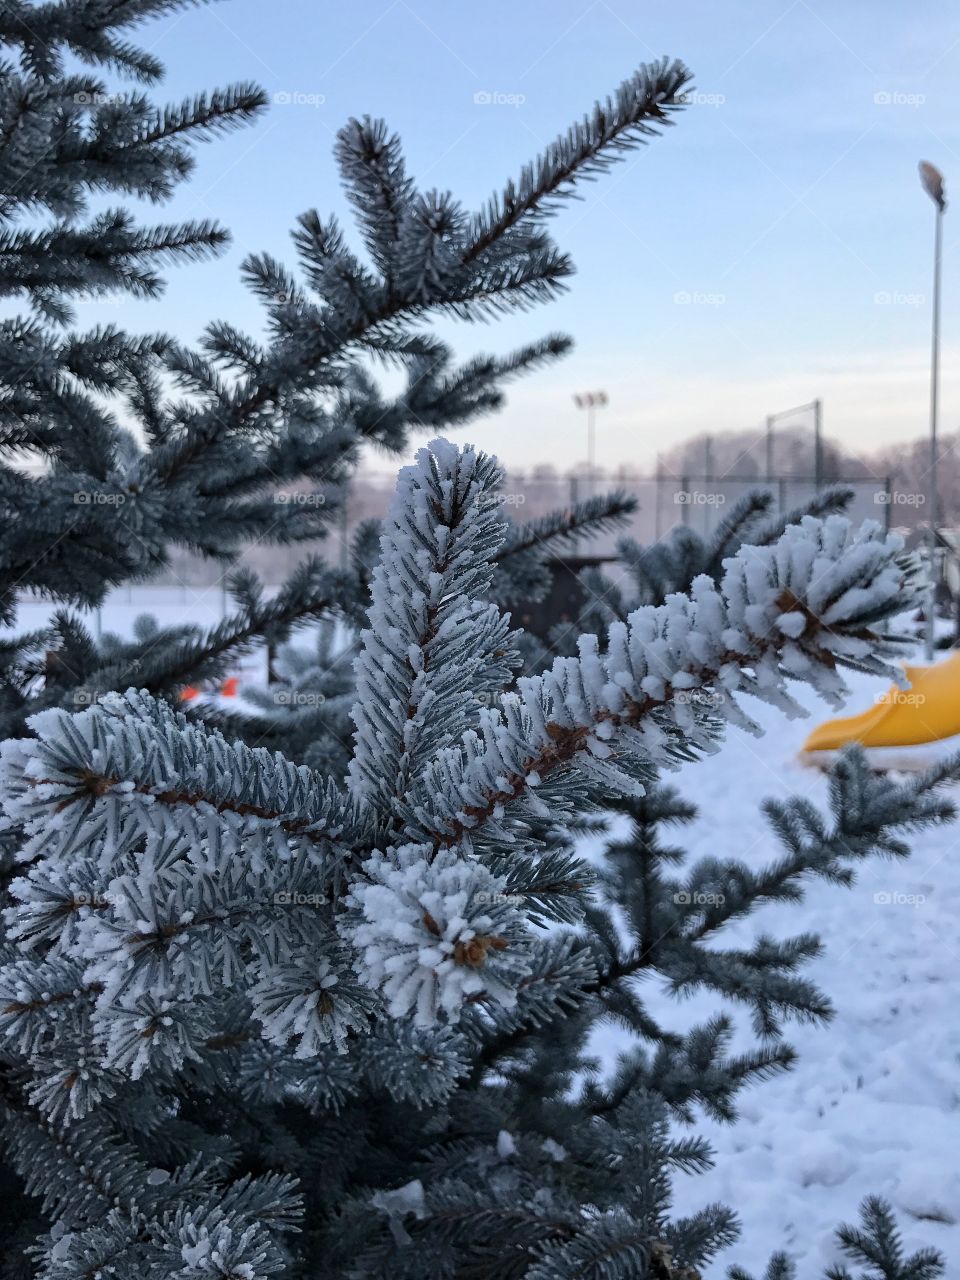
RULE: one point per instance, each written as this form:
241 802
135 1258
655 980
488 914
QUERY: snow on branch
432 644
132 763
812 602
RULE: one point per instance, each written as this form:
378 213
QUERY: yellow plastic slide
926 712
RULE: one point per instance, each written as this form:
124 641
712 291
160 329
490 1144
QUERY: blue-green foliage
227 427
206 929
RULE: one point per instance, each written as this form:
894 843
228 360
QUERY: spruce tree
307 990
211 946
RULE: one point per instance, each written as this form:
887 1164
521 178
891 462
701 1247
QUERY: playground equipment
928 712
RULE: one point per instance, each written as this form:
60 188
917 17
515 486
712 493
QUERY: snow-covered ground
873 1105
203 606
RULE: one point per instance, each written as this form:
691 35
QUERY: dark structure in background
565 601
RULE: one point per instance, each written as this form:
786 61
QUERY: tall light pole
932 181
591 401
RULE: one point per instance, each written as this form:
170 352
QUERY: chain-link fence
697 501
663 502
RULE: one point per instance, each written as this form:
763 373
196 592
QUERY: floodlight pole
932 181
934 409
591 401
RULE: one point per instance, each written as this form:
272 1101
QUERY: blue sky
785 204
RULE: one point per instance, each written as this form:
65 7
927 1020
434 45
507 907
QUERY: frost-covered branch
432 645
815 601
641 106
